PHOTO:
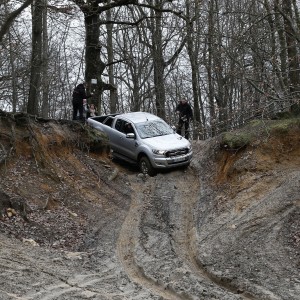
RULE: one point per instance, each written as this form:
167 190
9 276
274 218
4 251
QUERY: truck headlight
159 152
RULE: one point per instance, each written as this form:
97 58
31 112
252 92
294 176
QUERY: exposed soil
77 225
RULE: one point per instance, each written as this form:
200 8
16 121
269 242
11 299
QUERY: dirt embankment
77 226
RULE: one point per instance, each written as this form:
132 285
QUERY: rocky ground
76 225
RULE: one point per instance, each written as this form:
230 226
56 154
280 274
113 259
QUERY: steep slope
250 227
76 225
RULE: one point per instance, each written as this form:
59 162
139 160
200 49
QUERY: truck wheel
146 167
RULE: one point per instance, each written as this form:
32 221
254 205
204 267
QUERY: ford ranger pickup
144 139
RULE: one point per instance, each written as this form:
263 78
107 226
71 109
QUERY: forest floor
77 225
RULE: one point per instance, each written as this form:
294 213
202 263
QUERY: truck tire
146 167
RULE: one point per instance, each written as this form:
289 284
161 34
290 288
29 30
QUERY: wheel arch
141 154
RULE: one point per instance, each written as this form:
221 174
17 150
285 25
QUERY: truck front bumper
161 162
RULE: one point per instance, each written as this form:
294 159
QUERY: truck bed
106 119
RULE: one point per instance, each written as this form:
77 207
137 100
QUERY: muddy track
162 213
147 244
188 196
148 250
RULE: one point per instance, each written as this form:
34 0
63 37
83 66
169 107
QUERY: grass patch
235 140
283 126
257 129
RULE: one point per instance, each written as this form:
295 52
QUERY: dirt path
128 240
153 249
157 242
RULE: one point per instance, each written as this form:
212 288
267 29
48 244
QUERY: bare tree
135 68
194 49
157 43
93 12
235 60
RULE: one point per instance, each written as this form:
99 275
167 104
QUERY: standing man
185 113
79 94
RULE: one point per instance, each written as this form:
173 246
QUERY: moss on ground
256 129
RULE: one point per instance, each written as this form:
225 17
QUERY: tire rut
186 235
128 239
183 238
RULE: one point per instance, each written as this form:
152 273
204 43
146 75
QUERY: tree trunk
274 45
282 43
45 78
12 62
209 66
110 56
291 43
158 64
36 58
94 65
193 51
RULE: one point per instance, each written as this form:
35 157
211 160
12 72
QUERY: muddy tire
146 167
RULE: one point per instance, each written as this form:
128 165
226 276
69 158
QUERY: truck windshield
151 129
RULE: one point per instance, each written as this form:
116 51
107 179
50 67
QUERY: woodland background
234 60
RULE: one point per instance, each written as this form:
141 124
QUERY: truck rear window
108 121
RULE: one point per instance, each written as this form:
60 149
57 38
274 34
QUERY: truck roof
139 116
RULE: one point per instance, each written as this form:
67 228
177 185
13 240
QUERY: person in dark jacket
185 114
79 94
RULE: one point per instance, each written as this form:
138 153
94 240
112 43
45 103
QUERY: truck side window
128 128
120 125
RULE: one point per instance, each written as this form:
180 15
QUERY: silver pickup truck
145 139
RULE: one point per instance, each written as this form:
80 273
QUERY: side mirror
174 128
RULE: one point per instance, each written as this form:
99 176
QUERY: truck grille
177 152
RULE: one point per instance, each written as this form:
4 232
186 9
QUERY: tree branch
177 52
108 86
11 17
122 22
67 9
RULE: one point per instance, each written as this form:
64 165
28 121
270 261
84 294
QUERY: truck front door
120 143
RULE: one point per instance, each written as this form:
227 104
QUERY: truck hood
167 142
